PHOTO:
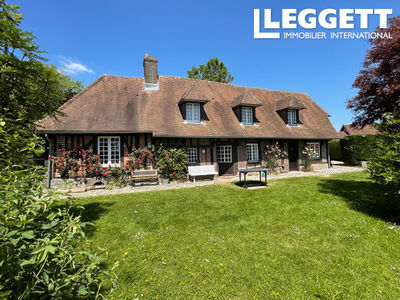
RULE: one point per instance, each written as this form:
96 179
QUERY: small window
315 147
252 152
292 117
224 154
109 150
193 112
192 155
247 115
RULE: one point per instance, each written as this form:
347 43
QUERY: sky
86 39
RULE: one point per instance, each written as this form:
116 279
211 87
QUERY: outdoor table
245 171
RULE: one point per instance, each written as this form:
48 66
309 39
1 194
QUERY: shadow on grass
91 213
363 196
250 183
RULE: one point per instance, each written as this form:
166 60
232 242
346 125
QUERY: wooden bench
207 170
145 176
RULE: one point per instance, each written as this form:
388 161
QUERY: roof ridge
234 85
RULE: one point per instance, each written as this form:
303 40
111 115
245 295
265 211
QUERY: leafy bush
172 162
384 167
139 158
273 153
77 163
307 155
43 252
357 148
335 150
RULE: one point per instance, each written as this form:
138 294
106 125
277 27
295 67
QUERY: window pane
292 118
193 112
247 115
109 150
252 152
192 155
315 147
224 154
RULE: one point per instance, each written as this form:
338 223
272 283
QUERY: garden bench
145 176
207 170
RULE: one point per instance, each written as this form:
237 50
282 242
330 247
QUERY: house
224 125
349 129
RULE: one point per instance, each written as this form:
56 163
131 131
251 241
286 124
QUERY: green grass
302 238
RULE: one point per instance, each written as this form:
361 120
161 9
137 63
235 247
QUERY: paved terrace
337 168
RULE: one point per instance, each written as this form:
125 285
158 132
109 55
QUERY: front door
226 163
293 154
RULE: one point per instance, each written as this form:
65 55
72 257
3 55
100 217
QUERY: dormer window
247 115
288 109
292 117
244 106
193 112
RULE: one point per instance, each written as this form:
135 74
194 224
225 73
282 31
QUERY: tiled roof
115 104
246 98
194 94
290 101
350 129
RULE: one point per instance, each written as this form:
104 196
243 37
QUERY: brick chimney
150 72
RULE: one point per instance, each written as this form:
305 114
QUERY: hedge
357 148
335 150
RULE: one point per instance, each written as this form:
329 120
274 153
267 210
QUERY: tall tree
379 80
42 244
29 88
214 70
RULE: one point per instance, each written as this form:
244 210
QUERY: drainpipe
48 163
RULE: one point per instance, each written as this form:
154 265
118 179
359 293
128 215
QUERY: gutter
49 162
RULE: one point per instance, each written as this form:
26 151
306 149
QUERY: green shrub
384 167
335 150
307 155
357 148
172 162
43 249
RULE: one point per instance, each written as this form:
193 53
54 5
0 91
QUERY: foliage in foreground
42 245
359 147
42 251
384 167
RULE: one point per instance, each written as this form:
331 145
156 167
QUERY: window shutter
203 115
254 114
182 108
95 150
298 116
240 114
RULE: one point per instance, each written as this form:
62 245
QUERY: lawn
312 237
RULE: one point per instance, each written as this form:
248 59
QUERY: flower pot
165 180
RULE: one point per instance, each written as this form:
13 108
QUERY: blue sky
90 38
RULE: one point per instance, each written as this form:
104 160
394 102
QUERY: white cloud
71 67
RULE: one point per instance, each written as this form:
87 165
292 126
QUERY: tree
29 89
214 70
43 252
379 80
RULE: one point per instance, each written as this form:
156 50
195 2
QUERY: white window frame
193 155
224 154
193 112
109 161
315 147
252 153
292 117
246 113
